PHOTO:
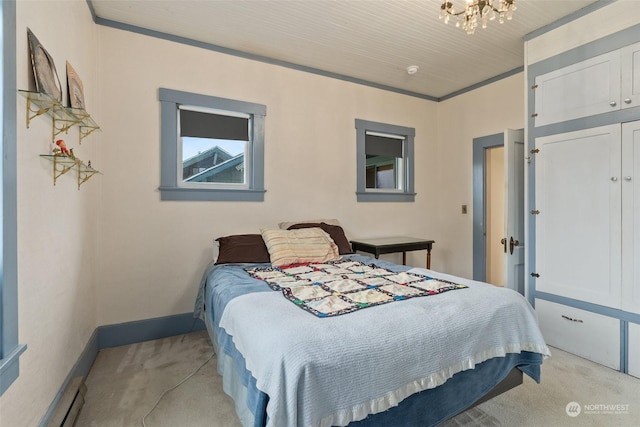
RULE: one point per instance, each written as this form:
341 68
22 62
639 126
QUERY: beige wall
601 23
57 226
485 111
153 252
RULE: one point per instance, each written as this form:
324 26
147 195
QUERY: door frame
480 147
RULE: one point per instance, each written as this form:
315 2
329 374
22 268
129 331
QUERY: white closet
586 206
587 235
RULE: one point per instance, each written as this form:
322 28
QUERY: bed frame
512 380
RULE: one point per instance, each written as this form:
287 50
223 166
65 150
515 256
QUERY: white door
630 217
514 209
578 230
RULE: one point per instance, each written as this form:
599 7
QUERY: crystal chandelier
477 10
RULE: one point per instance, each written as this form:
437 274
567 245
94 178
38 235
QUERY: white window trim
247 151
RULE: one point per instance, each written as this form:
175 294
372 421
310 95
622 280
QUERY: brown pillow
334 231
242 248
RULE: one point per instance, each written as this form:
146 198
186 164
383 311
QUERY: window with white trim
212 148
385 162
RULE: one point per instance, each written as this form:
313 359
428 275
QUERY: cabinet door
634 350
579 90
630 63
589 335
631 217
578 229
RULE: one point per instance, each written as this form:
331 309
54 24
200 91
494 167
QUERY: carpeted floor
126 382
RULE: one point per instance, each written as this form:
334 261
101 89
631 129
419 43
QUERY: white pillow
299 246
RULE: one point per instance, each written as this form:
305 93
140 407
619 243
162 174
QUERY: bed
438 346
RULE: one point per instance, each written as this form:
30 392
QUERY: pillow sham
242 248
286 224
298 246
334 231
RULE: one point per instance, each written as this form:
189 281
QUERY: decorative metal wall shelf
63 164
63 118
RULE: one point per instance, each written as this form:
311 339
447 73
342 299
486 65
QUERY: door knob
512 243
613 103
503 241
627 100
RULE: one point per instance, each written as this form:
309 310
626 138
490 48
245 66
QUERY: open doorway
498 209
481 147
494 214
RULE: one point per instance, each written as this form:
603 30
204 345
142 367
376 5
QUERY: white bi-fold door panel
578 228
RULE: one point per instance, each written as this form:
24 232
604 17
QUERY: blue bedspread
344 370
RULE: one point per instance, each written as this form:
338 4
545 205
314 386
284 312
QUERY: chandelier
477 10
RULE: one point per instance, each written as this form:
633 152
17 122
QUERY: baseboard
147 329
80 369
123 334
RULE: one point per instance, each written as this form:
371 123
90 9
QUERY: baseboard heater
70 403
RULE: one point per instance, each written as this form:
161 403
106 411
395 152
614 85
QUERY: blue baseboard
123 334
147 329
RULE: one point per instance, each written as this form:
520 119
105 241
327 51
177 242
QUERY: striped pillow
297 246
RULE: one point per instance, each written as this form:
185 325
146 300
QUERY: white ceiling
372 41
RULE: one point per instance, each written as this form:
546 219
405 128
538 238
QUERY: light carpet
126 382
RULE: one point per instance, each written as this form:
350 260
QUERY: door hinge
535 212
536 275
534 87
534 115
535 151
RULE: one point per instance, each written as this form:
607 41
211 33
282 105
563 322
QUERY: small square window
385 162
212 148
213 145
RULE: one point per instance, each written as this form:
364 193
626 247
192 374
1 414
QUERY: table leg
404 258
429 259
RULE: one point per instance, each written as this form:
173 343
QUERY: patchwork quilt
343 286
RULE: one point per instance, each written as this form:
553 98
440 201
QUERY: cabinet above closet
605 83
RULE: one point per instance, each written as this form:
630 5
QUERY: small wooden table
387 245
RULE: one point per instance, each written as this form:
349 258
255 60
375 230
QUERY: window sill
10 367
207 194
379 196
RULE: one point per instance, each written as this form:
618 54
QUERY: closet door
631 217
630 61
579 90
578 229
